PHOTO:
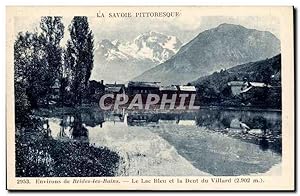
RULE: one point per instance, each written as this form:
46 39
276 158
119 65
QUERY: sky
125 29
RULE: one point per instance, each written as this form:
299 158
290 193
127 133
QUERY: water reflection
261 128
258 127
219 142
72 127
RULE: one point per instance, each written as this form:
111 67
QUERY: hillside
214 89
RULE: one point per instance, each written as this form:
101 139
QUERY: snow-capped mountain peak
156 46
121 61
151 45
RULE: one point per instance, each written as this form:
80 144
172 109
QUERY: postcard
150 98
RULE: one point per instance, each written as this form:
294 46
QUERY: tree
38 61
79 57
51 36
30 70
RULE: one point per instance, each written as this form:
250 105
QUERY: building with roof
114 88
187 89
171 88
143 88
96 90
240 87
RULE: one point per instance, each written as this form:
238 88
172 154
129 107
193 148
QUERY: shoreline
46 112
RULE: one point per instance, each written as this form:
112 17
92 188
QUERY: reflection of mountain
117 61
214 49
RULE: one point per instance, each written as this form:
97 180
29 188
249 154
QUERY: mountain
117 61
212 50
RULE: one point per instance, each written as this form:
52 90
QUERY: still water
206 142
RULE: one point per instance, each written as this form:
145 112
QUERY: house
168 89
190 90
237 86
115 88
187 89
143 88
96 90
241 87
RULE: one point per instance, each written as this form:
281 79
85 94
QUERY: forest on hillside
214 89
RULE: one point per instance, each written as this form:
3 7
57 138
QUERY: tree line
40 62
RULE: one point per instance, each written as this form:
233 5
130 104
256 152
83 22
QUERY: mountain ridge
214 49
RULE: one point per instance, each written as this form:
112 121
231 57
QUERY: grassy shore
39 155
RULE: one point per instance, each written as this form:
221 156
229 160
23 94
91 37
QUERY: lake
210 141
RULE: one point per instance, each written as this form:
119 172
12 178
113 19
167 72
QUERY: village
143 94
156 95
